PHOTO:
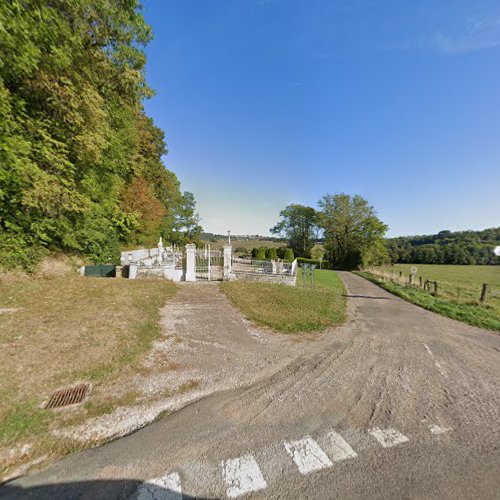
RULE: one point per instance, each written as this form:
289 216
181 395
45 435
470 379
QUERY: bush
281 252
18 251
260 253
288 255
271 253
241 250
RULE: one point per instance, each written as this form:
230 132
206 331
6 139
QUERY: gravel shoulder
206 346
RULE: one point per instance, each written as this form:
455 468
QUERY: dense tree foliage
288 255
464 247
299 225
80 162
353 235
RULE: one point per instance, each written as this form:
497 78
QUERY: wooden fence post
435 289
484 293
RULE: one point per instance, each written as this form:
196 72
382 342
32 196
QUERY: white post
132 271
274 264
228 268
208 262
190 262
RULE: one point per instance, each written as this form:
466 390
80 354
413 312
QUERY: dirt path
206 346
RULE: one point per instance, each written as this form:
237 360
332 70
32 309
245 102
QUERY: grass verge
290 309
57 331
473 313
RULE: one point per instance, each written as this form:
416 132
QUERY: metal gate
209 264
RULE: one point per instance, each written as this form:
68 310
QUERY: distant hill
446 247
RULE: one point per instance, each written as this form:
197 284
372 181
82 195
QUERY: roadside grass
472 312
291 309
65 330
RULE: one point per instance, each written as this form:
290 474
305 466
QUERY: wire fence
457 292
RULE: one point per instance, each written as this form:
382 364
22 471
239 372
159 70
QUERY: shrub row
262 253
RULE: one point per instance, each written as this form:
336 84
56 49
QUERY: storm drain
66 397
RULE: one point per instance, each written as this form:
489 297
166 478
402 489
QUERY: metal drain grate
66 397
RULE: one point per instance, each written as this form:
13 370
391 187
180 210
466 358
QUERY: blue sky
271 102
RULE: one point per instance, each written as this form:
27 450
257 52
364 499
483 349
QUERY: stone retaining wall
282 279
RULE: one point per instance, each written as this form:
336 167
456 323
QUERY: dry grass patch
291 309
69 329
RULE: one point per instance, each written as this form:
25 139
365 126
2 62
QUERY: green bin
101 271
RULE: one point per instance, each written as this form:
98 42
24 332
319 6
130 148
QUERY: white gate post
228 249
190 262
209 257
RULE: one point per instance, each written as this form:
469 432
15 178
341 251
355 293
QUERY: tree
139 200
271 253
351 230
317 252
446 247
188 220
260 253
298 225
289 256
74 136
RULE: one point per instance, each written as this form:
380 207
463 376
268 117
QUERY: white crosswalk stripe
242 475
341 449
307 455
388 437
161 488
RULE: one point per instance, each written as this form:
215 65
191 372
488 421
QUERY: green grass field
247 244
471 276
459 290
291 309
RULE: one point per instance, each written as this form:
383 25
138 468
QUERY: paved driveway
397 403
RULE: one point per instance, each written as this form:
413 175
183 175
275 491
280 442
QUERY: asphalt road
398 403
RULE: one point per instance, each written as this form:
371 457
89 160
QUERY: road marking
307 455
341 448
242 475
436 364
437 429
388 437
161 488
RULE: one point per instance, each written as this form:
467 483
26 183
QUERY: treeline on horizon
81 166
446 247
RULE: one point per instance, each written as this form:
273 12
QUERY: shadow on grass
93 490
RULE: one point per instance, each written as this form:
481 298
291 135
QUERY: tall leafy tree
353 234
188 221
74 137
298 225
